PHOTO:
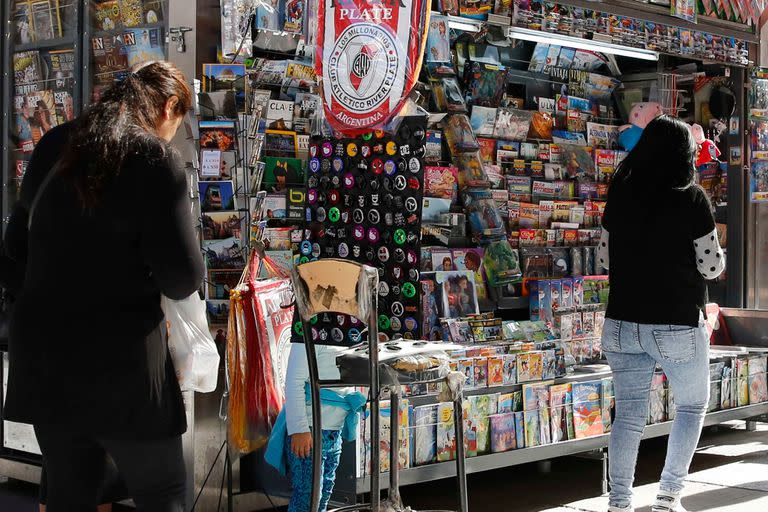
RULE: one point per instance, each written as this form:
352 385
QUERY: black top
653 273
88 319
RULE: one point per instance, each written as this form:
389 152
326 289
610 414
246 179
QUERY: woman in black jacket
110 231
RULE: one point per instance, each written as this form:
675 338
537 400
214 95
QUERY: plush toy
708 150
639 117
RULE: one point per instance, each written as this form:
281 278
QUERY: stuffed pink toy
708 150
639 117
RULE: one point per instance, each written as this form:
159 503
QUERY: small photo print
221 225
218 311
220 282
216 196
219 135
224 254
280 143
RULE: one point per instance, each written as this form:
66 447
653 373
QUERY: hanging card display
368 57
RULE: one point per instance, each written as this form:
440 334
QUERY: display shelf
481 463
45 45
118 31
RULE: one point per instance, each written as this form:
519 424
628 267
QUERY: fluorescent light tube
538 36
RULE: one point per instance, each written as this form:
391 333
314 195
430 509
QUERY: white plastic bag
192 348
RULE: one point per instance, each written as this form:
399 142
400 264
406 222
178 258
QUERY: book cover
549 364
22 23
657 411
45 20
715 374
110 60
495 371
579 112
472 260
506 403
280 115
531 415
467 367
59 68
587 412
446 433
425 434
438 40
106 15
560 406
487 150
742 382
602 136
483 120
143 45
442 260
503 435
441 182
27 72
758 387
726 400
509 375
481 372
520 429
607 402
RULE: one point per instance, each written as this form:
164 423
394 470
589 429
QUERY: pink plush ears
698 134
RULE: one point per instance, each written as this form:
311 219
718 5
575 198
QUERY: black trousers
76 464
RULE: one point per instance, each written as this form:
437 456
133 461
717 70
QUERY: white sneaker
667 502
621 509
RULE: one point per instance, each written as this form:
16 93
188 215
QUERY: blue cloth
629 137
300 473
353 403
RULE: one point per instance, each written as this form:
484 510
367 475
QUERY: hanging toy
639 117
708 150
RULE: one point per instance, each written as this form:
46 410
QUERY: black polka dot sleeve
602 249
710 258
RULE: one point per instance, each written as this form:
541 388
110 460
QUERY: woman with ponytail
102 229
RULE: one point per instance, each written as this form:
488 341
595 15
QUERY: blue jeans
300 473
633 350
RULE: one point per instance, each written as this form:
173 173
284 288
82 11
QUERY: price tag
210 164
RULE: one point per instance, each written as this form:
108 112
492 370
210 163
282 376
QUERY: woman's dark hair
122 123
664 157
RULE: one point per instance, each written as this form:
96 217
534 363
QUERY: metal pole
604 453
373 357
394 449
461 469
230 494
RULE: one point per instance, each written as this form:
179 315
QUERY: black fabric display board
363 203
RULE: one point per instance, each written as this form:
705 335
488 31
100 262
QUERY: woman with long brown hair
103 228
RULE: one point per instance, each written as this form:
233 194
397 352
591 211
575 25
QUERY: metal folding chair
341 286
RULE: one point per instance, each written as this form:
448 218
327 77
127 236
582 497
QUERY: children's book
520 429
726 400
446 433
425 434
495 371
758 388
587 413
481 372
509 370
466 367
561 409
531 414
742 382
506 403
549 364
503 436
657 412
607 402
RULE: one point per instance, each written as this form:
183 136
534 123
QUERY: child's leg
331 455
300 473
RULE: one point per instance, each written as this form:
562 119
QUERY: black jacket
87 318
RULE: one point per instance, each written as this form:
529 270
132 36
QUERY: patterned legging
300 472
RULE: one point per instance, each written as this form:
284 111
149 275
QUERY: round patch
365 51
411 204
397 273
362 165
413 183
343 250
414 165
378 149
374 217
339 149
395 324
400 182
335 182
391 148
298 328
349 180
412 258
334 214
377 166
390 167
398 309
312 182
409 290
313 320
352 149
370 254
314 165
373 235
327 149
338 164
365 150
399 255
303 260
379 134
334 197
341 320
354 321
358 232
374 185
413 274
323 333
367 136
384 322
320 214
399 236
411 324
315 250
358 216
337 335
354 335
312 196
383 289
404 132
412 238
325 165
356 251
419 134
383 254
313 150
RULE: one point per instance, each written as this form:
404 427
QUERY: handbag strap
39 193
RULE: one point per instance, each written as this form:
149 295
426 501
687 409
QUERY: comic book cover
466 366
485 85
487 150
506 403
560 400
27 72
294 16
144 45
758 387
520 429
726 400
531 415
460 135
587 413
446 433
715 374
520 189
441 182
430 306
742 382
503 436
549 364
107 15
131 13
425 434
442 260
481 372
657 412
509 375
438 40
434 146
472 260
495 371
607 402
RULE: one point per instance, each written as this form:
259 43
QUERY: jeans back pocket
676 345
611 341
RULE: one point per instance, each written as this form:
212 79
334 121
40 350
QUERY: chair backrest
335 286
